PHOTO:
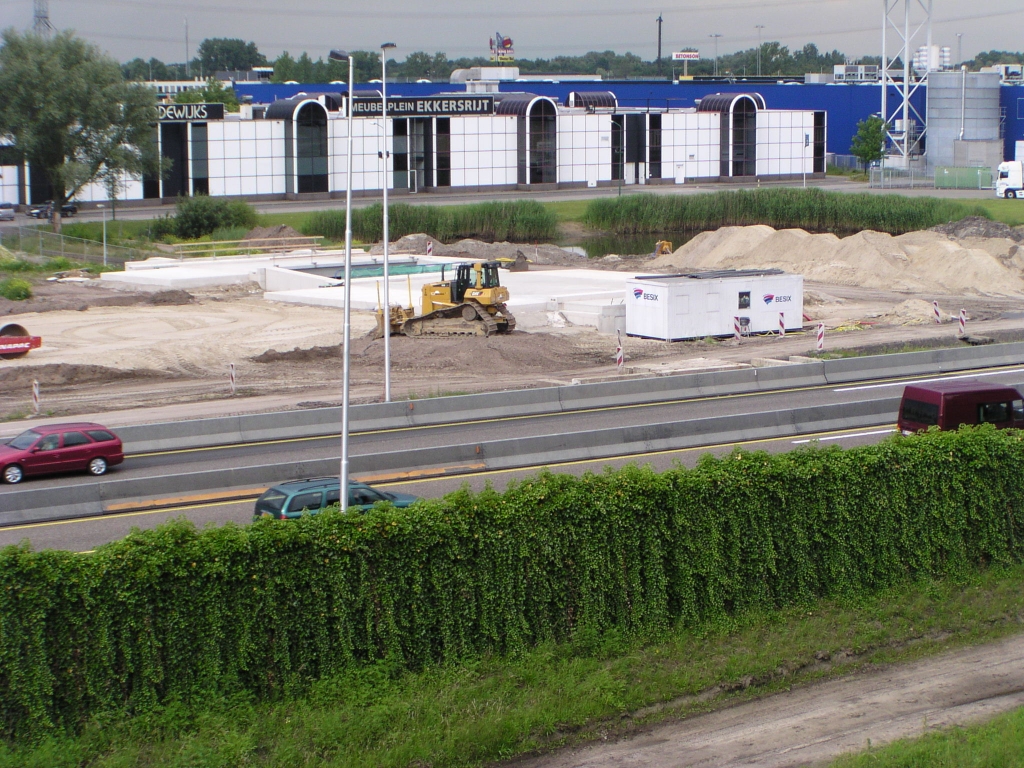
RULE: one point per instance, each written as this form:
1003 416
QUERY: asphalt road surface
86 534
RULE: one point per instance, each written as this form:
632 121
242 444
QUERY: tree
217 54
71 113
214 92
868 143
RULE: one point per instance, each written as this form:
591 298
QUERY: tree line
223 54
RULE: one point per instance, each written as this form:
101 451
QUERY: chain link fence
33 241
899 178
949 177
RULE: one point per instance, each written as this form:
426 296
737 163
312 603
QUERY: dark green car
289 500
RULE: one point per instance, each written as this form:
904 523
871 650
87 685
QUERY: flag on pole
620 359
35 397
231 376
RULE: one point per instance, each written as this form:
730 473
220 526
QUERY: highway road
204 508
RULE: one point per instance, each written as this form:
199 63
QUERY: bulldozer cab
486 276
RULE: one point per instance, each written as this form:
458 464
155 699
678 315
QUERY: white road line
926 381
843 437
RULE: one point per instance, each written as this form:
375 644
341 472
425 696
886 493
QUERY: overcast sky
539 28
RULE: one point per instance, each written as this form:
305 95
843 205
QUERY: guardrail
246 247
38 242
318 422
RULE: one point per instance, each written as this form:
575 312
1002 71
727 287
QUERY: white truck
1010 180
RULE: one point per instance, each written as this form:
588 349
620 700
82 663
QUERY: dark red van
948 404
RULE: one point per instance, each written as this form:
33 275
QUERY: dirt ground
115 357
815 724
80 296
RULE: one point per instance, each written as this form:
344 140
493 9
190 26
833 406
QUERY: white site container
699 304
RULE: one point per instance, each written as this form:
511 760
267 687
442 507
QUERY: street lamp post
103 208
759 27
384 48
959 48
716 36
347 334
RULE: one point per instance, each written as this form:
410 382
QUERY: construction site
167 331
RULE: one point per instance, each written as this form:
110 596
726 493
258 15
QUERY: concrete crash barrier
91 499
316 422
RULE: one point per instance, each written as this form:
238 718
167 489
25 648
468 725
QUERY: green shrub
811 209
201 215
15 289
176 614
515 220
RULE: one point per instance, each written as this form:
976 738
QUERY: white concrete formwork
581 294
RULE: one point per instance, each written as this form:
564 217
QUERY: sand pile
918 262
480 250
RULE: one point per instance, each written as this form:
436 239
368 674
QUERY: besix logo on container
770 297
638 292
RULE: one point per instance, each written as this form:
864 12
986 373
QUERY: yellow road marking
136 506
602 409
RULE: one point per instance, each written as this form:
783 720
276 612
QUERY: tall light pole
347 334
716 36
103 208
959 48
759 27
384 48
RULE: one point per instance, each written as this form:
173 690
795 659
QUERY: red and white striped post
963 323
430 247
938 317
231 376
821 337
736 328
620 359
782 324
35 397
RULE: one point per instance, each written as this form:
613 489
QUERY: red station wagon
948 404
60 448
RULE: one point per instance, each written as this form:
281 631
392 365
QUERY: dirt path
817 723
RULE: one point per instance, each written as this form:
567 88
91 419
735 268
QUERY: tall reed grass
515 220
811 209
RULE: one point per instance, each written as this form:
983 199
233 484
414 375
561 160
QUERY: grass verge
594 687
999 742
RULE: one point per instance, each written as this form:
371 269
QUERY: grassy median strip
999 742
598 686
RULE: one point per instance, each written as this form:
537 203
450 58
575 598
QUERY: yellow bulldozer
472 304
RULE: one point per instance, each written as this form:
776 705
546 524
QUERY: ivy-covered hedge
175 613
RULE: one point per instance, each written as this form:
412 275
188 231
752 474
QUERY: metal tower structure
41 18
906 25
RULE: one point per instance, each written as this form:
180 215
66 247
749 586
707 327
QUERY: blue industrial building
845 104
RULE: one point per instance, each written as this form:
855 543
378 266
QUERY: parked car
60 448
290 500
7 211
949 404
45 210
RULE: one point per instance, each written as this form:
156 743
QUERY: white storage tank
699 304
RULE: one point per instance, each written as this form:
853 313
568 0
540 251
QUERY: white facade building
463 141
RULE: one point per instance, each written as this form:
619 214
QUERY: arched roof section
726 102
592 99
521 104
286 109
